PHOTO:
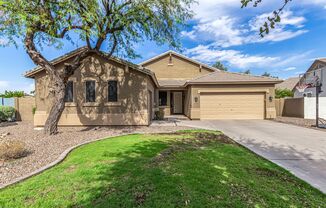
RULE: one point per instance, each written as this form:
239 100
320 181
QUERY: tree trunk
57 85
58 105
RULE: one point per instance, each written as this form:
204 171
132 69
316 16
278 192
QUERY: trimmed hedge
7 113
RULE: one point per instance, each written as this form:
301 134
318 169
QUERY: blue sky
220 30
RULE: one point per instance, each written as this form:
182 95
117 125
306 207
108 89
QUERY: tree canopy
119 24
220 66
113 26
247 71
282 93
266 74
10 94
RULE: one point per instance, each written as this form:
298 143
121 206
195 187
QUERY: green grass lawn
186 169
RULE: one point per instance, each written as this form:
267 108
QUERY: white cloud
232 57
4 84
27 87
299 72
3 42
190 34
281 31
294 59
226 31
291 68
221 30
208 10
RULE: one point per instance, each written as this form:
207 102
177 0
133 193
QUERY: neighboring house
117 92
303 105
289 83
318 67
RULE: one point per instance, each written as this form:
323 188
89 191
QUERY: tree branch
36 57
67 29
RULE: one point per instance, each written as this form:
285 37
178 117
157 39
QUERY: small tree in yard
109 25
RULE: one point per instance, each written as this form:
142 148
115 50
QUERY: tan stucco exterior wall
268 89
131 108
179 69
293 107
24 107
151 97
187 102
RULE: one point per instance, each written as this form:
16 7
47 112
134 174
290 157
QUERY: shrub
159 115
33 110
10 94
282 93
7 113
12 149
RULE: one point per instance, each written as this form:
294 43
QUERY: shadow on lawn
127 181
134 178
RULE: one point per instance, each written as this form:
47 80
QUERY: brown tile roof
171 83
220 77
289 83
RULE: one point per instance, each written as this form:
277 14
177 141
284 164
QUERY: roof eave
234 82
172 86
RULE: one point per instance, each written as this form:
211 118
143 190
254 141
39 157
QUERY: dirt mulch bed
46 149
308 123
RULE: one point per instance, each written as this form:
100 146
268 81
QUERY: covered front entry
171 102
238 105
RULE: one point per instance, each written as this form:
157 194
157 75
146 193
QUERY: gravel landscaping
45 149
309 123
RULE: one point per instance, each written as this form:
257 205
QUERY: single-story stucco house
116 92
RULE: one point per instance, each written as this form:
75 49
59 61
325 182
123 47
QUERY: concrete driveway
300 150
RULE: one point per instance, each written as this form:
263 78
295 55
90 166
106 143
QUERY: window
163 98
90 91
69 92
112 91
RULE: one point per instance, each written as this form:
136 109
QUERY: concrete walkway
300 150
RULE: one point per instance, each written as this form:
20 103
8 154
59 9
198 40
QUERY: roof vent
170 60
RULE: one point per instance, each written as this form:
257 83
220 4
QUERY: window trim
73 93
107 93
166 104
85 88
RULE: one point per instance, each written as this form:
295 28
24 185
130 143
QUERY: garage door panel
232 106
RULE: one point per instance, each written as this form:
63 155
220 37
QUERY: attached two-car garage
225 95
231 105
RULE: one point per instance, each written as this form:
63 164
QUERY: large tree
112 26
271 20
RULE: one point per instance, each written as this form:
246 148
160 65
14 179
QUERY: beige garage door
232 106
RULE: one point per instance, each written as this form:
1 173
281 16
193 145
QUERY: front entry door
177 102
